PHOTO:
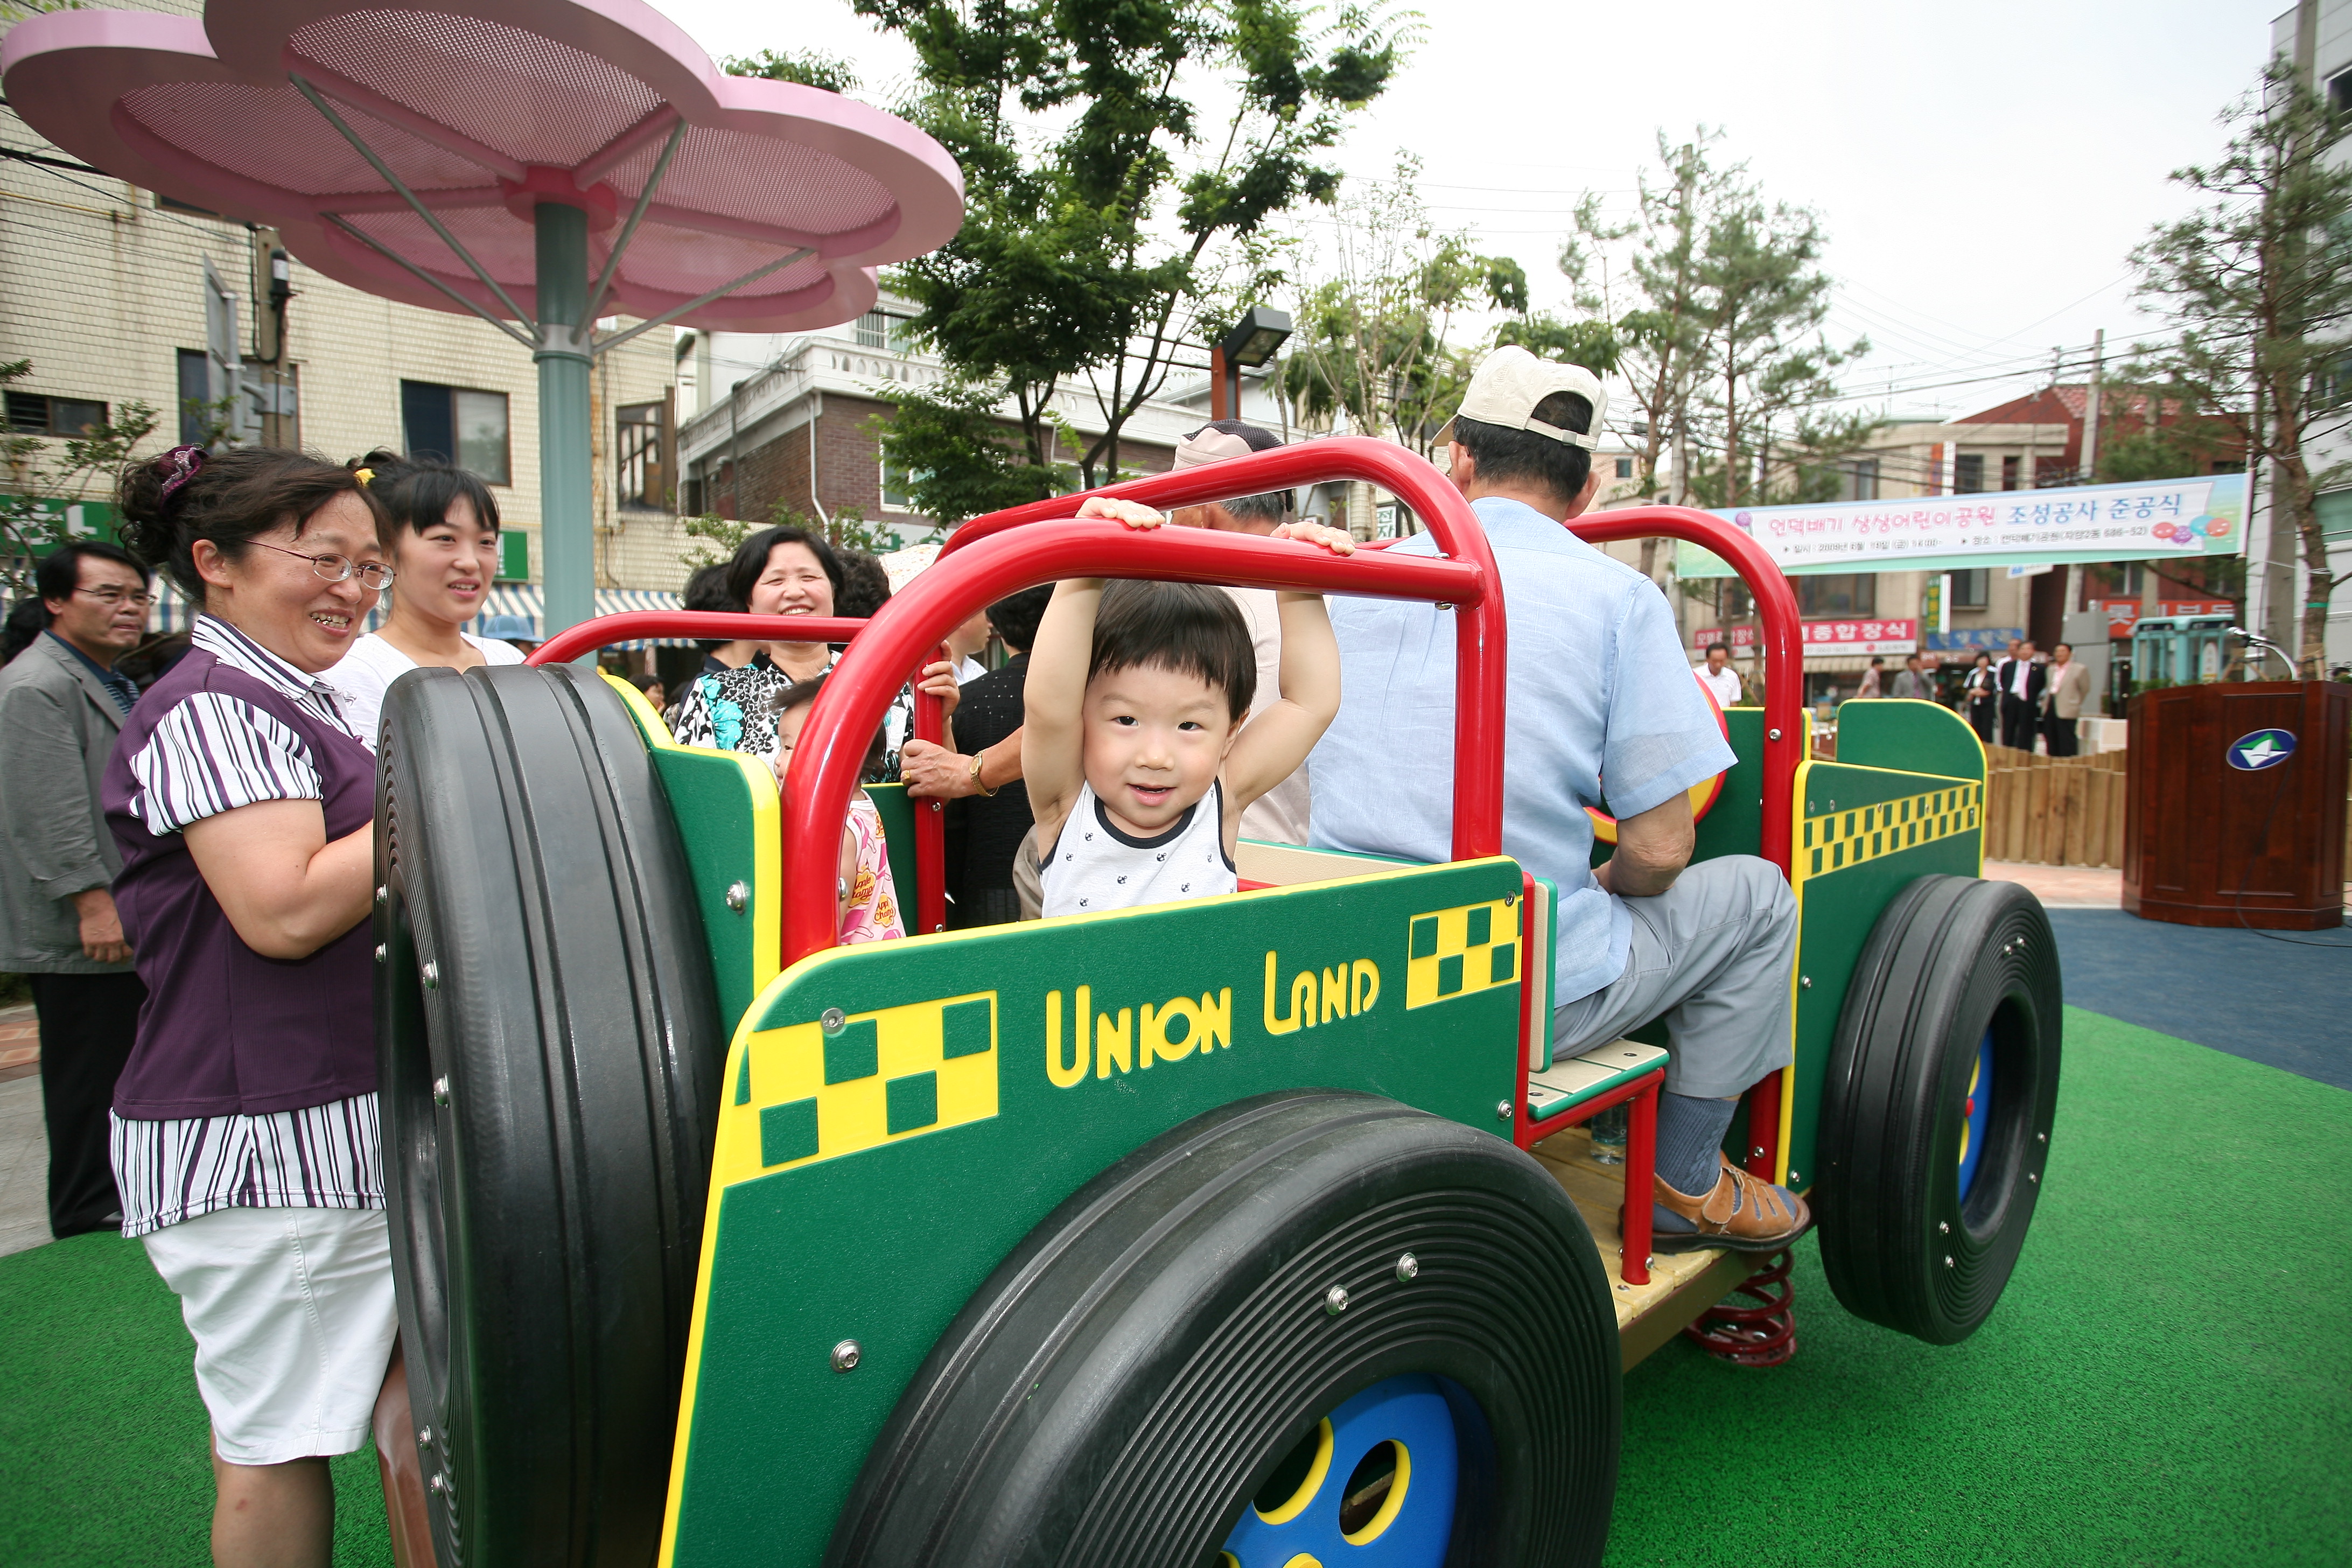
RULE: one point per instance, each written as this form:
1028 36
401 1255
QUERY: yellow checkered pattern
1461 951
1837 839
803 1094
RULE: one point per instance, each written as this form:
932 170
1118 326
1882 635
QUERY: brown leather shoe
1742 1214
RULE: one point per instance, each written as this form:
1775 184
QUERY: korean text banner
2169 518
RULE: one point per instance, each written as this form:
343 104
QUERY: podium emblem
2263 749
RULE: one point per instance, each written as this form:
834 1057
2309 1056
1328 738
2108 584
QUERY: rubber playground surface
2167 1380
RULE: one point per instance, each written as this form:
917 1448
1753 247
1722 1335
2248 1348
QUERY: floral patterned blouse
873 911
733 710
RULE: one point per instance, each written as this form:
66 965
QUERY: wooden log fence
2054 811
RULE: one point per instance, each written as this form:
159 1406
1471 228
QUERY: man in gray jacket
61 706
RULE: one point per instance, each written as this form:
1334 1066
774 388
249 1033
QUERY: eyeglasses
114 598
373 575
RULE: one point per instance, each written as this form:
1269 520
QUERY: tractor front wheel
549 1053
1936 1111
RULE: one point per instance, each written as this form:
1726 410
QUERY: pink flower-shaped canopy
311 115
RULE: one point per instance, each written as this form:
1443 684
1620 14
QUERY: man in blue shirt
1602 712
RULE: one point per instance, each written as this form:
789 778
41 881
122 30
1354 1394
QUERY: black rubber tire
1131 1374
1951 958
546 1215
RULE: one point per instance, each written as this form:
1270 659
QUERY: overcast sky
1982 170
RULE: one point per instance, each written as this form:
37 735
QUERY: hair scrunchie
181 464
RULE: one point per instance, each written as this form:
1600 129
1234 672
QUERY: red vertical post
930 824
1220 404
1641 1161
1764 1127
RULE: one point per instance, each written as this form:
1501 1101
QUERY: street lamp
1261 330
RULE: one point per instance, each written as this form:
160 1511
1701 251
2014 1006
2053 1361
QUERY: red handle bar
832 748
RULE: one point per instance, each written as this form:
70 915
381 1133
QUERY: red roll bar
705 626
825 763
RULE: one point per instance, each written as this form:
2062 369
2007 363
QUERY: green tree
1372 340
1097 193
957 458
38 474
2257 285
810 68
1762 301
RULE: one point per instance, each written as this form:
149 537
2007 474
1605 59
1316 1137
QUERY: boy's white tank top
1096 867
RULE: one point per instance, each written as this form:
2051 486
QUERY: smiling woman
245 1137
776 572
445 551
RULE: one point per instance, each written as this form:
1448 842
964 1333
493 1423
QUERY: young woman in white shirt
445 552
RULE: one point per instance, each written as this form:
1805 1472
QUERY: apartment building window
1838 594
2339 94
640 476
1860 479
1967 473
34 413
1968 588
2010 469
881 330
898 483
464 425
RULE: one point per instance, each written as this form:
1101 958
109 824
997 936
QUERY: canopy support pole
666 317
566 483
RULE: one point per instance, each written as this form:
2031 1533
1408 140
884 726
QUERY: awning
174 614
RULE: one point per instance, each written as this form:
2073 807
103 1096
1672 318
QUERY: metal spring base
1761 1335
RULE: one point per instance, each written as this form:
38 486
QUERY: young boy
1138 762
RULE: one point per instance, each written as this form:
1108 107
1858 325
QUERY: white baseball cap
1511 383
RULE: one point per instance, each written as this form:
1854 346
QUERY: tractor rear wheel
1302 1323
1936 1110
549 1053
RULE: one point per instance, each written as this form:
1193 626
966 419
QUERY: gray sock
1690 1136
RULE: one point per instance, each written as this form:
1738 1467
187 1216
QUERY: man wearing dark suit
61 706
2020 697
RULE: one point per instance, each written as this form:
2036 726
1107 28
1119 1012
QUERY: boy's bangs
1182 627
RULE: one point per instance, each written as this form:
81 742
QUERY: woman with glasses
444 547
245 1135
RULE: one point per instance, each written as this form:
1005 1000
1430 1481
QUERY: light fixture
1254 338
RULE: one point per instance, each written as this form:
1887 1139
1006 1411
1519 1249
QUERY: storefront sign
1968 640
2123 615
2090 523
1825 639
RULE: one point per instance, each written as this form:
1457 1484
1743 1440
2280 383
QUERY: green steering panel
1862 835
901 1114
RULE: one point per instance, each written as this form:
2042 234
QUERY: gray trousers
1713 954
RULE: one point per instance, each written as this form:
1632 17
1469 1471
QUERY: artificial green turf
102 1435
2168 1379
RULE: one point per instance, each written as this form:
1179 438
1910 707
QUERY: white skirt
293 1317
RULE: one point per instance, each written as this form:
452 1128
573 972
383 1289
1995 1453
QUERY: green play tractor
1258 1230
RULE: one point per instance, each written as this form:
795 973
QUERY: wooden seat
1571 1081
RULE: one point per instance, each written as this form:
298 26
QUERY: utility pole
2091 409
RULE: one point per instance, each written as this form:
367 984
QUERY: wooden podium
2235 805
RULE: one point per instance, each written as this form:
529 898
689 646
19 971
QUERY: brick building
771 419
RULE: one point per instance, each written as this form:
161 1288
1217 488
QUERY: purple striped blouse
253 1081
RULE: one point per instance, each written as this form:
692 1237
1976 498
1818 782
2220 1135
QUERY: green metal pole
566 501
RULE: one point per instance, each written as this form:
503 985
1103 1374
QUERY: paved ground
24 1167
2063 887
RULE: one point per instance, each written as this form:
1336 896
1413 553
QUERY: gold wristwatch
976 782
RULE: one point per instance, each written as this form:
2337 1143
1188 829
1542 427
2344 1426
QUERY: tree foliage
1372 343
38 473
1108 221
958 461
2256 284
810 68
